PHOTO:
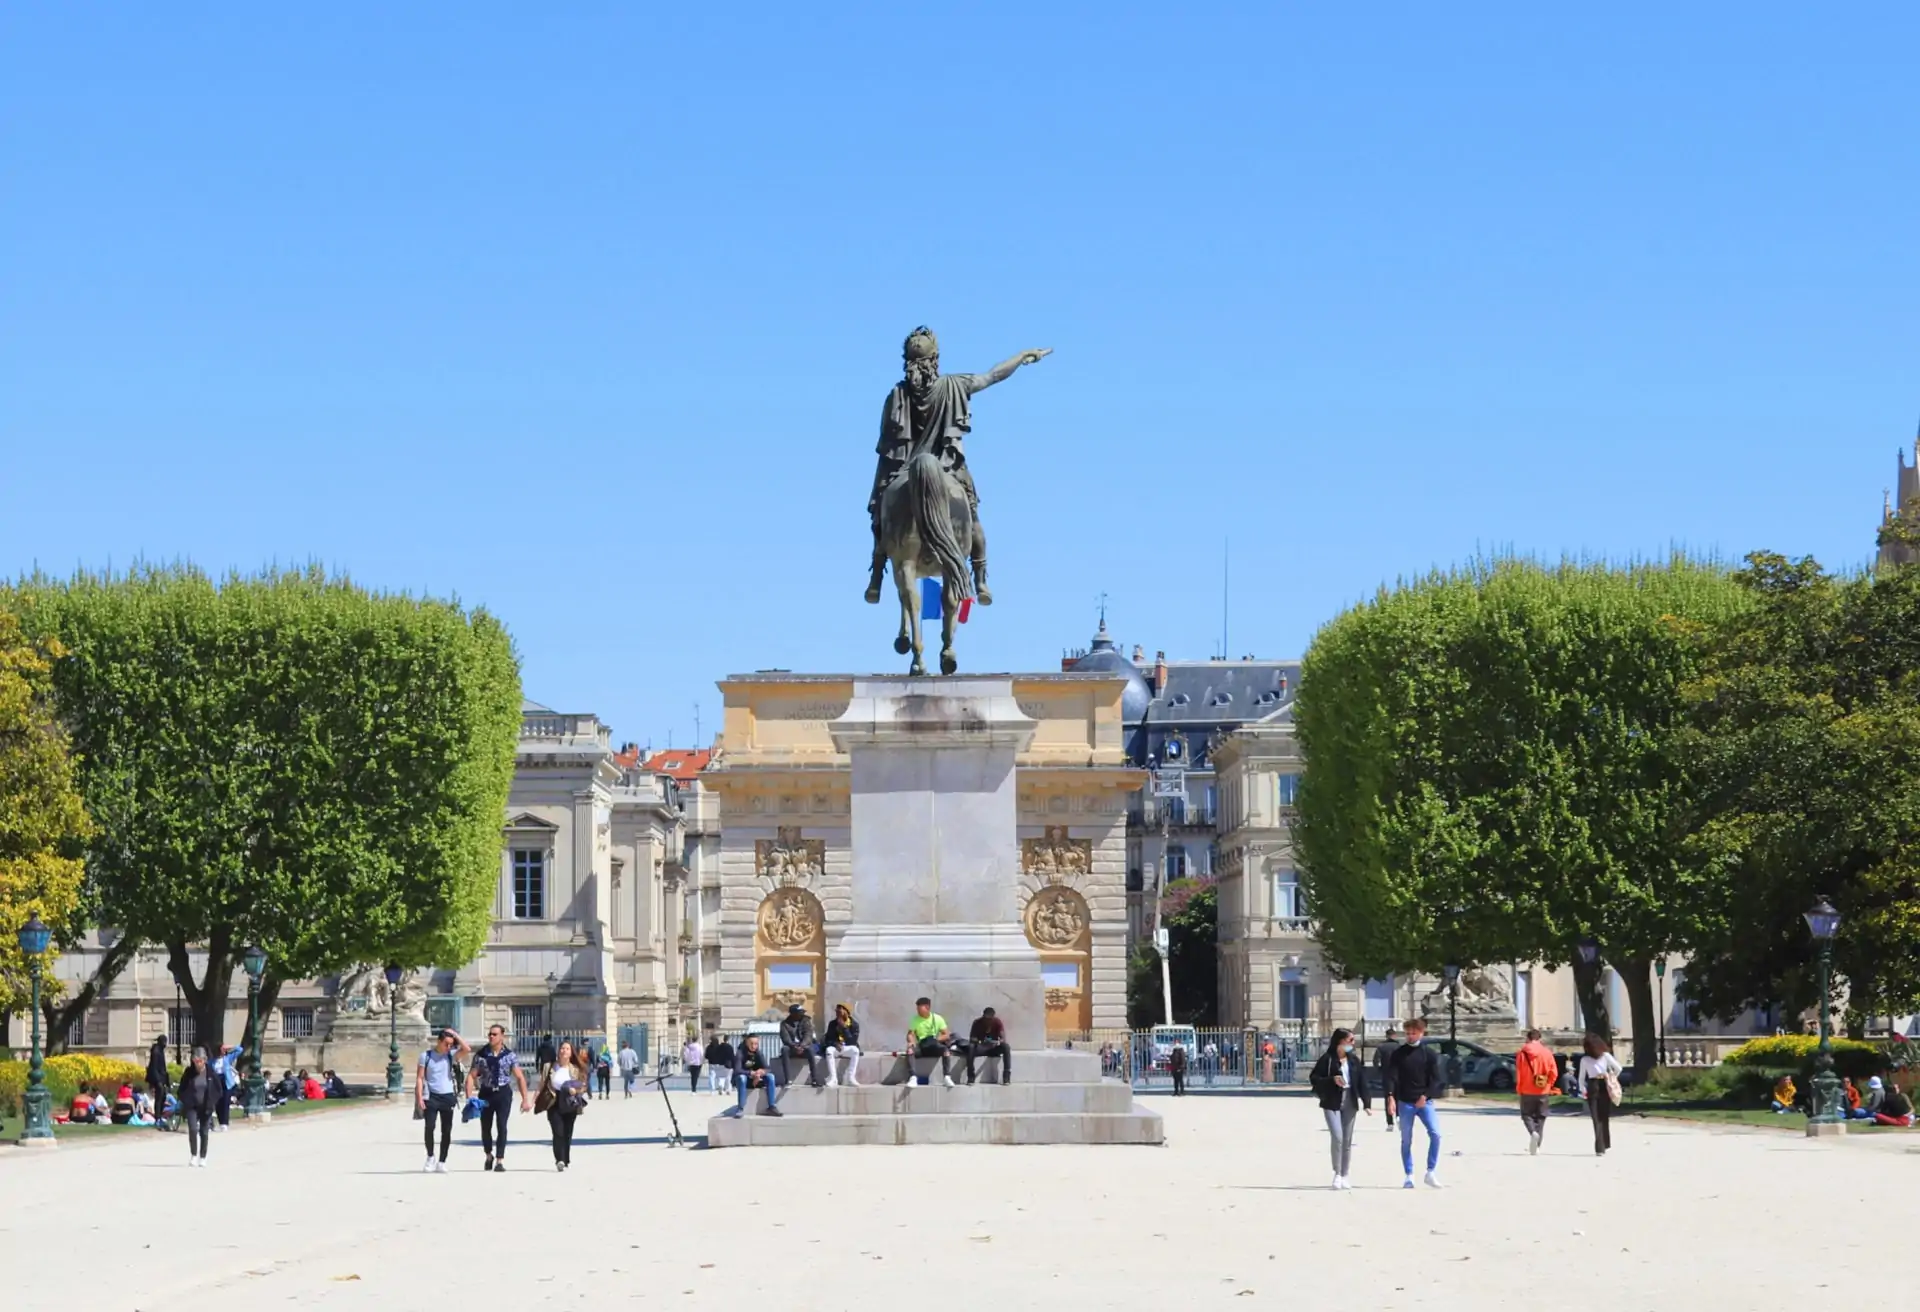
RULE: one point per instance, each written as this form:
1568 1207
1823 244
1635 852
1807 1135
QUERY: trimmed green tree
43 822
1805 735
1490 773
288 760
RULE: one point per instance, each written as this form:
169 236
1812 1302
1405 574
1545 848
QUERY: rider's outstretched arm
1004 370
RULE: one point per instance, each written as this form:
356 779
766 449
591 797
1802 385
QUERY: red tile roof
680 764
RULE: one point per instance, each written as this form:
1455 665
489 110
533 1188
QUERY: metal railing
1219 1058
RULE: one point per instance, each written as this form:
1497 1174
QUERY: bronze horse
926 531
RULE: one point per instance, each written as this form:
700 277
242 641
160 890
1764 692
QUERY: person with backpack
436 1092
494 1077
1600 1086
157 1077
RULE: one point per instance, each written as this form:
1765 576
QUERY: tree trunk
1637 974
1593 998
59 1018
207 998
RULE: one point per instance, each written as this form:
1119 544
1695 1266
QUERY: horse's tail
930 494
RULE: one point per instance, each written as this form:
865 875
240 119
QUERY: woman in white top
1599 1068
564 1091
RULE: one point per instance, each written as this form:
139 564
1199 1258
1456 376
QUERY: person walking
842 1042
1340 1083
227 1067
1177 1067
157 1078
603 1068
1413 1082
1388 1043
693 1057
564 1094
1600 1086
436 1092
543 1055
719 1063
1535 1076
1209 1062
198 1099
630 1063
496 1075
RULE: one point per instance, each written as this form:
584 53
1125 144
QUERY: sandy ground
333 1211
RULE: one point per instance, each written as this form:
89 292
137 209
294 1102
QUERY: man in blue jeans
1414 1080
750 1072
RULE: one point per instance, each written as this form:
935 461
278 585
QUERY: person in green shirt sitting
928 1036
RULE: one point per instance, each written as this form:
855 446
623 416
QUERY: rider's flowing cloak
945 420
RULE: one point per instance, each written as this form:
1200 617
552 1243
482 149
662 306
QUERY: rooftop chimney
1139 653
1159 673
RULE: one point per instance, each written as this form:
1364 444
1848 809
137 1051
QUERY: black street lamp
1453 1028
255 961
553 985
1828 1118
394 1073
1660 973
36 1102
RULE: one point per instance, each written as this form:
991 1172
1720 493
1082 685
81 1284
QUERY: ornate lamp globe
34 936
393 973
1589 950
255 960
1823 920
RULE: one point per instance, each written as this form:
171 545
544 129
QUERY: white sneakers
1533 1143
1433 1180
947 1080
1340 1182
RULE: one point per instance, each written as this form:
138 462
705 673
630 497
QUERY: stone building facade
785 872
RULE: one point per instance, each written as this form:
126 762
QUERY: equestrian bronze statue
924 509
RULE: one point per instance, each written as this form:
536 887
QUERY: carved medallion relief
1057 920
791 921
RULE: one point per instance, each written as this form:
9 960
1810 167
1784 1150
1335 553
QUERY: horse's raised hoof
873 595
917 667
947 663
902 646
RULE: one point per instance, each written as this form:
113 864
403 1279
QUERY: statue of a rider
930 410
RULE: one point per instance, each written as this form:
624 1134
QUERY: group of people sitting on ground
313 1088
128 1107
1880 1104
928 1038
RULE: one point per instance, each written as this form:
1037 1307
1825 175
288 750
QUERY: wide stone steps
935 1100
1135 1127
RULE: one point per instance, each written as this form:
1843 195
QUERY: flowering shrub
64 1076
1796 1052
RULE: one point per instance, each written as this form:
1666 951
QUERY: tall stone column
935 858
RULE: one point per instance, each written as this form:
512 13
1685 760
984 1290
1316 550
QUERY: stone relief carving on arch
1057 920
790 859
1055 857
791 920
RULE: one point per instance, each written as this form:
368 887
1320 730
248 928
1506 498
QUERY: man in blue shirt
496 1073
227 1067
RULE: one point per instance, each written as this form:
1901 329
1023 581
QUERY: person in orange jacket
1535 1076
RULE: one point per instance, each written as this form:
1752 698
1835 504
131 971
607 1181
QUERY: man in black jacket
1414 1080
988 1038
157 1079
796 1040
840 1043
719 1064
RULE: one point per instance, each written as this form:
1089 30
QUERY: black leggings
495 1106
440 1111
199 1130
561 1123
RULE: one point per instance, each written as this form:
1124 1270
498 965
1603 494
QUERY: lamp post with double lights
394 1073
1589 953
1828 1116
36 1102
255 960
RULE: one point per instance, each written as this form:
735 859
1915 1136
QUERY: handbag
573 1100
1614 1092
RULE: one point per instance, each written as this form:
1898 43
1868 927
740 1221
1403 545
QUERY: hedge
65 1075
1796 1053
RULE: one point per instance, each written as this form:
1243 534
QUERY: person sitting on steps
842 1040
796 1041
750 1072
988 1038
928 1036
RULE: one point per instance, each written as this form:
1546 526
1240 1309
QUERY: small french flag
930 601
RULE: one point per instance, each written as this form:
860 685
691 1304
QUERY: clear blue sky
585 313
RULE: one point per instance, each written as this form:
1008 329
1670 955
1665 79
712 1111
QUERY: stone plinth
356 1048
935 858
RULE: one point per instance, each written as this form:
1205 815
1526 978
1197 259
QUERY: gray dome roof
1104 658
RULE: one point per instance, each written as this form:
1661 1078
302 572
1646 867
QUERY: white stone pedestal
936 859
